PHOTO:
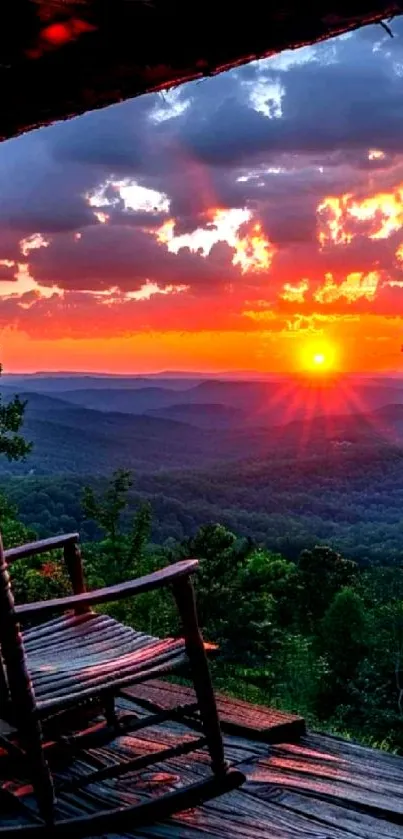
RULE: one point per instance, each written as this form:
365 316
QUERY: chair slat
80 656
51 626
64 701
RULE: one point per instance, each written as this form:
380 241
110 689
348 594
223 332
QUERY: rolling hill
69 438
203 415
262 403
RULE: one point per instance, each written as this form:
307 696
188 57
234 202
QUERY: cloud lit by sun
342 217
128 193
376 154
252 251
355 286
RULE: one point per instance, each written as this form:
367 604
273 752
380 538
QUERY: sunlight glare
319 357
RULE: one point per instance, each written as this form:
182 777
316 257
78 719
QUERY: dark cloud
352 103
9 245
107 256
342 99
112 139
36 194
6 273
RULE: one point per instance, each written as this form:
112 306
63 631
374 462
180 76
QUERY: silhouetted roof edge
60 58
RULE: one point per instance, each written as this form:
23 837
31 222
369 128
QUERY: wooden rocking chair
81 656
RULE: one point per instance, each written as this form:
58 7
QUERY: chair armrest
157 579
40 547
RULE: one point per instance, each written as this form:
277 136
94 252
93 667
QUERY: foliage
298 674
13 531
323 572
119 556
107 510
12 443
287 504
344 642
123 554
35 578
316 634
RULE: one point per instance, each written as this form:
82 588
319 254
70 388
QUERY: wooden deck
237 717
308 786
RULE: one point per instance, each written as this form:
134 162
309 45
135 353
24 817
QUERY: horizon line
197 373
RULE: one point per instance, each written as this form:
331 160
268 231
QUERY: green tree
220 556
323 572
234 604
122 554
107 509
12 443
344 641
280 578
298 672
35 578
139 536
13 531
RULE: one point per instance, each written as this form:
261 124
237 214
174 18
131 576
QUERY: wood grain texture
320 788
312 787
72 658
236 716
346 785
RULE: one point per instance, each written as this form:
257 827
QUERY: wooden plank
236 716
241 814
333 815
357 779
319 788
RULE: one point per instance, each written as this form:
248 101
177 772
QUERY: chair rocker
83 657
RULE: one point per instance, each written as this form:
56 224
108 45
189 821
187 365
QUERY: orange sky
221 226
370 344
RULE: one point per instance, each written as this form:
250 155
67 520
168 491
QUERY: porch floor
305 786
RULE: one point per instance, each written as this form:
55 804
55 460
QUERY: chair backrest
4 691
15 683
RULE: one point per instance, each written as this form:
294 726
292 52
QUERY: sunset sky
248 221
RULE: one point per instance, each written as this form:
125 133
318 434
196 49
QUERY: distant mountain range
256 402
162 374
95 430
40 383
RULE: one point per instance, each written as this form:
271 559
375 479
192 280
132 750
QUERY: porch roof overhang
60 58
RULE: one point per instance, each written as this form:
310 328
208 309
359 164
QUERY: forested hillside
318 635
341 485
298 524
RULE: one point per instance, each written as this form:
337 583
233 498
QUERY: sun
319 358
